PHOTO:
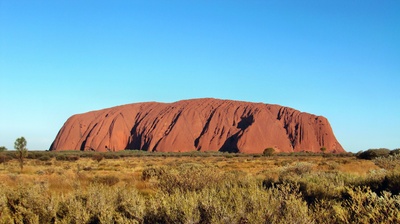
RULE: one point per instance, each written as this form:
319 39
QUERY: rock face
198 124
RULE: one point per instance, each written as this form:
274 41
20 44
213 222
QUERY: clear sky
339 59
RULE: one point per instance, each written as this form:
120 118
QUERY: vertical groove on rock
204 130
83 145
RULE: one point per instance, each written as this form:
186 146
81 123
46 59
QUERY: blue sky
339 59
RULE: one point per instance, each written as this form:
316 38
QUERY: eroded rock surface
197 124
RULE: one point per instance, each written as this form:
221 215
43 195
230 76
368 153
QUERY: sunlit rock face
197 125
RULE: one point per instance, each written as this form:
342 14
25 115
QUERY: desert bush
30 204
45 158
97 204
176 207
269 182
323 211
288 206
98 157
345 154
233 203
39 154
187 177
200 192
268 152
298 168
63 157
225 203
389 163
333 165
10 154
86 154
365 206
32 156
152 172
328 155
379 182
395 151
373 153
391 183
229 156
111 156
108 180
102 204
322 186
315 186
4 158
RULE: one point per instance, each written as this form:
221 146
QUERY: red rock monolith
197 124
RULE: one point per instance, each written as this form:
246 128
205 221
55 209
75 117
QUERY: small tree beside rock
22 151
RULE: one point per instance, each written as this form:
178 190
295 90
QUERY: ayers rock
197 124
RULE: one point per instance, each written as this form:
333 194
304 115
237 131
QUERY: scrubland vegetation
140 187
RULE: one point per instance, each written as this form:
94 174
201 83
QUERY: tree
323 149
3 148
269 151
22 151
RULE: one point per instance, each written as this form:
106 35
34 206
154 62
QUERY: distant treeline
375 153
73 155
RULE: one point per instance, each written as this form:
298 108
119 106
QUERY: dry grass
61 176
187 189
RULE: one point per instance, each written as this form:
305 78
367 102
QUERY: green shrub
373 153
268 151
45 158
98 157
4 158
395 151
391 183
